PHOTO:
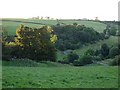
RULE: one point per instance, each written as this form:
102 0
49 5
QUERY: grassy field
60 77
11 26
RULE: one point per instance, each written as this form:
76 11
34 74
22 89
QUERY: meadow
60 77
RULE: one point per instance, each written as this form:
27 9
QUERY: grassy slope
60 77
113 40
11 26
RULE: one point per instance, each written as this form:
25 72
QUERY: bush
113 52
71 57
96 58
97 52
90 52
77 63
8 50
115 61
86 59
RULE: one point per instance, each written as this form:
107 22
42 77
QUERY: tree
104 50
36 43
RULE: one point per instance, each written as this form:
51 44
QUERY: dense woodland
74 36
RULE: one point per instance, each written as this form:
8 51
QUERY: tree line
75 36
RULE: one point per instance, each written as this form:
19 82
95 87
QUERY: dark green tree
104 50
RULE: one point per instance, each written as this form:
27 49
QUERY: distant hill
11 24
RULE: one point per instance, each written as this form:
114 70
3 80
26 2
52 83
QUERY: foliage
73 36
97 52
84 60
36 44
75 24
9 50
112 41
33 43
90 52
71 57
111 29
115 61
96 58
113 52
104 50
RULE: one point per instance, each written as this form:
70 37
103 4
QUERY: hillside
11 24
113 40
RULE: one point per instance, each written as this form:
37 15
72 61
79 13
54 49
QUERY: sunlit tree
37 43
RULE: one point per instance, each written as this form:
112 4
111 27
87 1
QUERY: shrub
113 52
85 59
71 57
90 52
9 50
97 52
77 63
96 58
115 61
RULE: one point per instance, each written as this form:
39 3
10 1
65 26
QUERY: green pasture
60 77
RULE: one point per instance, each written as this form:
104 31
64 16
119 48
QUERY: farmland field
11 26
60 77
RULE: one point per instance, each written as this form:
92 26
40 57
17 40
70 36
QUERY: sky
64 9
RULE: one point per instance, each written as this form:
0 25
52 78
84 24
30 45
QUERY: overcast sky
74 9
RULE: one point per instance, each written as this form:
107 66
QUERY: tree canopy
34 43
